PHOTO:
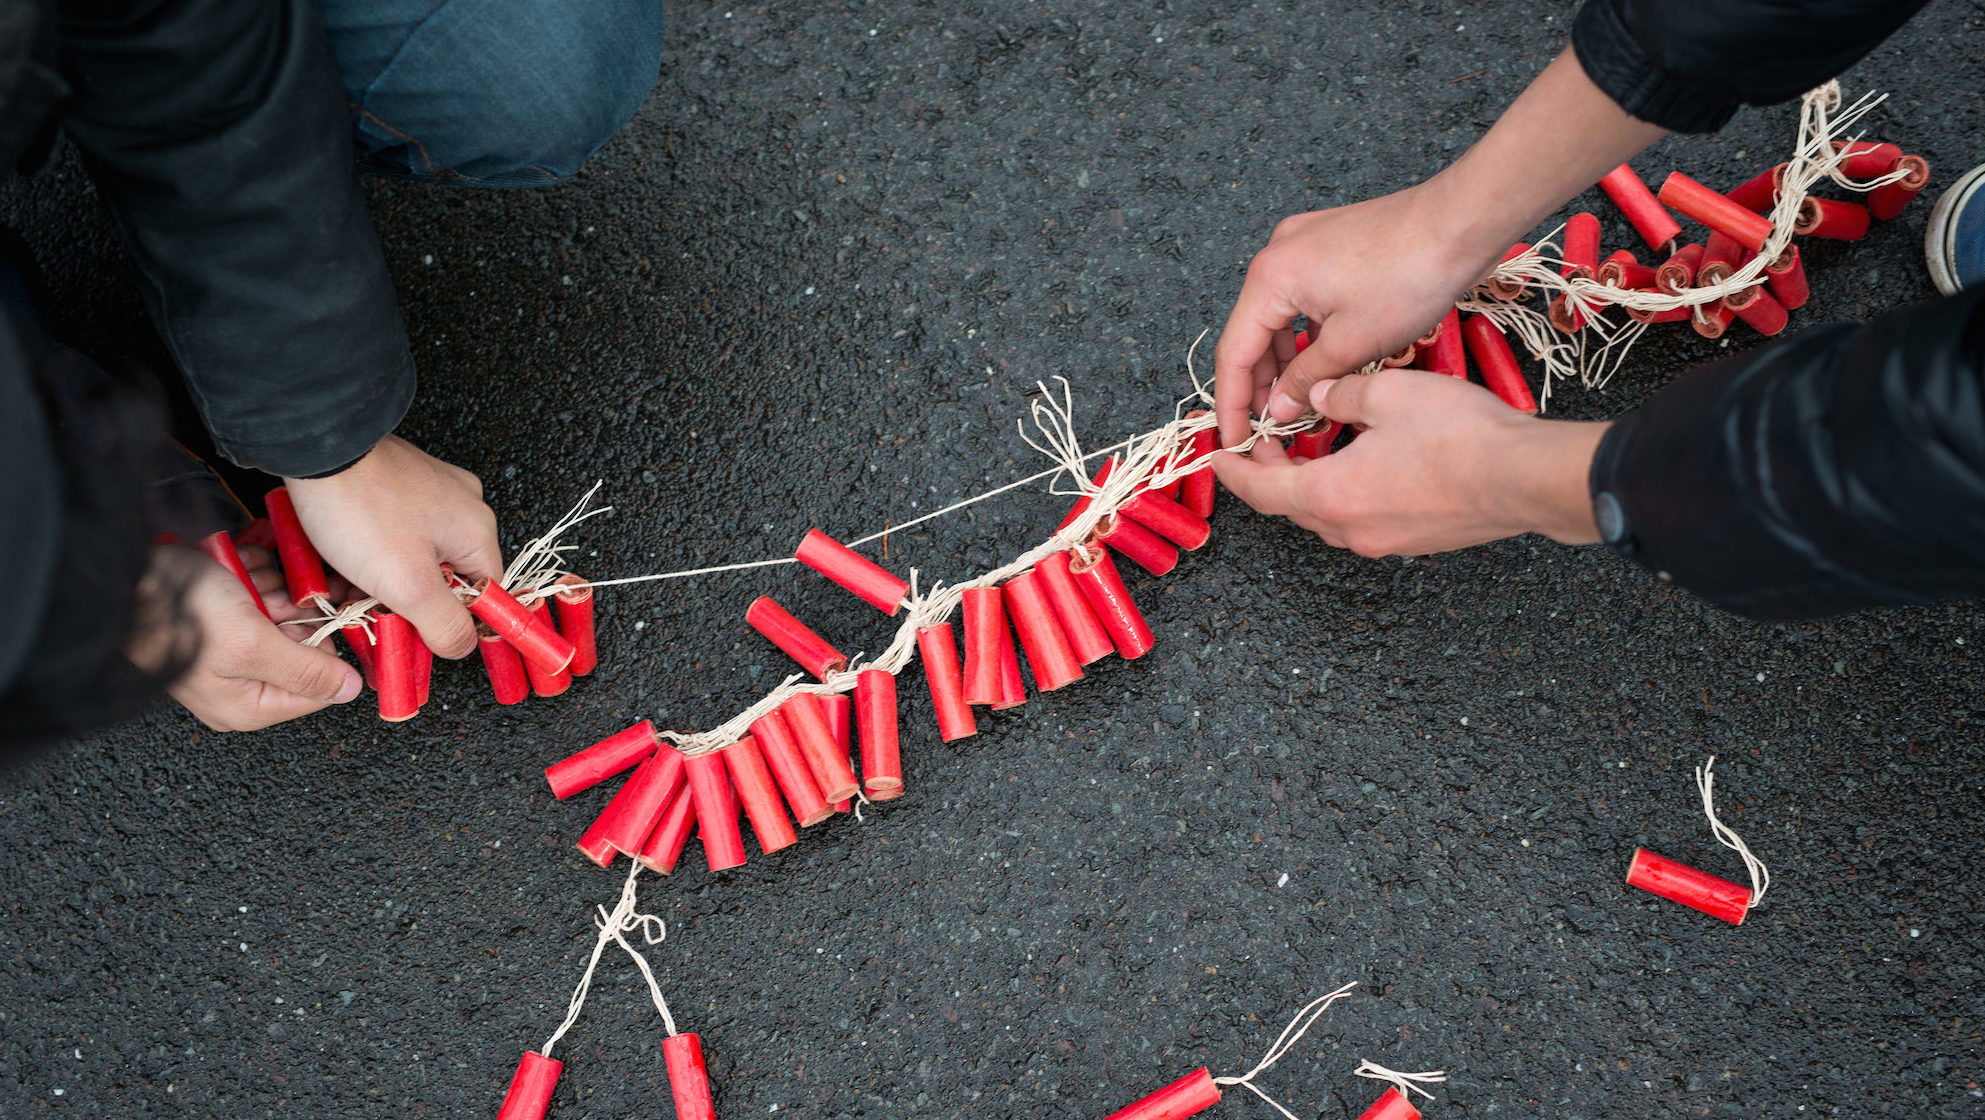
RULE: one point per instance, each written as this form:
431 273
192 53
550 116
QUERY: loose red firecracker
1085 632
1698 890
1492 355
1679 270
220 546
836 705
1694 200
808 718
544 682
664 847
1867 159
643 797
871 582
367 653
762 807
1756 307
983 612
1168 519
875 723
528 632
1082 503
689 1082
1887 201
593 843
1832 219
399 697
1106 595
1048 651
1760 194
1621 270
1188 1096
938 648
259 533
303 568
1391 1105
1581 246
1643 211
1508 289
1012 687
790 634
1712 319
716 810
790 769
530 1088
1196 491
1137 544
507 678
602 760
1786 277
574 608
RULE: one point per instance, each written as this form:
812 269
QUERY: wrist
1543 467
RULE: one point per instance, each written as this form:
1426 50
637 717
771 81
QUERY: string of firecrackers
1747 268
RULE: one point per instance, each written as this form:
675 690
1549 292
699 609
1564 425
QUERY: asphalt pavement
814 283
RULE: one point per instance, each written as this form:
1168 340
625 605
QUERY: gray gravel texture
813 284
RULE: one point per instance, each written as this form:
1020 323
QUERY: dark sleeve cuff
1617 64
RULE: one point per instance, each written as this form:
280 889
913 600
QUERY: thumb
1317 365
1343 399
304 671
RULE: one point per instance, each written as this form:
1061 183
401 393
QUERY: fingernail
1319 393
353 685
1282 406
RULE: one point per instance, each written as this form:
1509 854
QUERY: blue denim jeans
491 93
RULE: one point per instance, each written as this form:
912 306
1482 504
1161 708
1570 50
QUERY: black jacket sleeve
1841 468
1687 65
218 133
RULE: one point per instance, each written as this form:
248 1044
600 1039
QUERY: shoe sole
1940 236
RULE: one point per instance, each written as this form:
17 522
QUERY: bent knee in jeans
498 93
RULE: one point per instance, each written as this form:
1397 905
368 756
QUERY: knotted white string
1727 836
614 926
1406 1082
1291 1035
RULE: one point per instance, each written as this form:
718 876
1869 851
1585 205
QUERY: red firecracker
1712 319
875 722
1168 519
220 546
593 843
808 719
1826 217
528 632
790 769
1508 289
303 568
1082 503
530 1088
423 670
1643 211
1012 688
716 810
1679 270
1391 1105
602 760
1188 1096
1492 355
1141 546
1048 651
689 1082
938 647
574 608
1449 354
638 807
1694 200
874 584
1887 201
762 807
1756 307
1760 194
1079 623
1786 277
1581 246
837 708
545 682
1698 890
1867 159
507 678
1314 442
1621 270
1196 492
399 692
259 533
983 612
790 634
664 847
367 653
1106 595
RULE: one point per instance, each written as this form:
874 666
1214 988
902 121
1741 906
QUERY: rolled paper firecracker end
1887 201
1698 890
869 581
983 612
1012 687
1867 159
366 652
1426 341
1188 1096
1760 193
716 810
1085 632
753 781
664 847
1493 356
1832 219
602 760
593 843
791 635
1679 270
643 798
574 608
1760 311
529 632
1712 319
886 793
1565 318
1621 270
1196 492
1096 574
1643 211
828 759
1685 195
1169 520
1724 250
937 646
876 727
259 533
1786 277
1672 315
1141 546
689 1082
790 769
1391 1105
220 546
507 679
399 695
1400 360
530 1088
1508 289
1581 246
303 568
1314 442
543 682
1082 504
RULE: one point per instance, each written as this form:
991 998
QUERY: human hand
388 522
1438 464
249 673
